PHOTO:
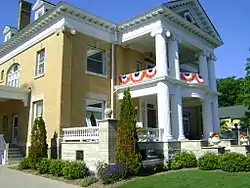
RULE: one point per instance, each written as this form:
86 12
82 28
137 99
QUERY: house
68 65
232 115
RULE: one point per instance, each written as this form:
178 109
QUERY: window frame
94 109
39 63
13 77
34 109
104 61
2 75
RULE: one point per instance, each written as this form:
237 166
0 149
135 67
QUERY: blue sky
231 19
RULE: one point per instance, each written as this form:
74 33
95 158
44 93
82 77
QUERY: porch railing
151 134
4 150
81 134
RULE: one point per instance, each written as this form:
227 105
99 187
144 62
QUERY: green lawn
191 179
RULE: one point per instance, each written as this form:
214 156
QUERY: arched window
13 76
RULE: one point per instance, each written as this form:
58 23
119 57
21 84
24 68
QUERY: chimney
24 14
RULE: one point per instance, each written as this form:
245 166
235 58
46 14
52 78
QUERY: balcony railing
81 134
192 78
139 76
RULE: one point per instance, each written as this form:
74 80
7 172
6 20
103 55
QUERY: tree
39 146
127 149
232 91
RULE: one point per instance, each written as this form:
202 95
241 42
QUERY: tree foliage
232 91
39 146
127 151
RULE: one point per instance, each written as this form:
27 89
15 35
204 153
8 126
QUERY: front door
151 116
15 124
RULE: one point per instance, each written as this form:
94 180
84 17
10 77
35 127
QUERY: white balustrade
152 134
81 133
4 149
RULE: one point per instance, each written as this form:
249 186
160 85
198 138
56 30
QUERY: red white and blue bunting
124 79
199 79
150 73
187 76
137 76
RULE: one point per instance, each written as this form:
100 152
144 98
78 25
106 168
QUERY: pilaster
207 117
203 68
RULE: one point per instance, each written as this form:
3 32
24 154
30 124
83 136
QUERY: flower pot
215 141
244 141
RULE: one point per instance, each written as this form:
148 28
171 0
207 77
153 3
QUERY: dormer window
41 7
9 32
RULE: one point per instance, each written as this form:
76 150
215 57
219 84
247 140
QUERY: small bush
56 167
24 164
88 181
113 173
209 161
43 166
233 162
247 163
152 169
75 170
183 160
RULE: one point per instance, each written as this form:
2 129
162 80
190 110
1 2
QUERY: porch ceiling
14 93
145 44
191 102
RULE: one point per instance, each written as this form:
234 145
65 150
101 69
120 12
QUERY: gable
192 11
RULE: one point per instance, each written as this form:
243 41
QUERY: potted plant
215 138
244 138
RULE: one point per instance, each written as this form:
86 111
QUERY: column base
168 138
182 137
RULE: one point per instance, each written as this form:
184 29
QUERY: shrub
43 166
209 161
127 150
152 169
247 163
75 170
233 162
183 160
56 167
39 146
24 164
88 181
112 173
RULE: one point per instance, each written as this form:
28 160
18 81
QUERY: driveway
15 179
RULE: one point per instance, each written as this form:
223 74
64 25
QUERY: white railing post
6 154
4 147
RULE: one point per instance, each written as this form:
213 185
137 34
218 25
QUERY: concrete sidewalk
15 179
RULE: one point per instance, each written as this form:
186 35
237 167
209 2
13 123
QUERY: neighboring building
66 67
232 115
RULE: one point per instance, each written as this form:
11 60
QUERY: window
40 62
37 109
96 61
13 76
2 75
94 111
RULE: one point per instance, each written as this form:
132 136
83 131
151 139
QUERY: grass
191 179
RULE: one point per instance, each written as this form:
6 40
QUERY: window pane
40 62
95 54
97 115
94 66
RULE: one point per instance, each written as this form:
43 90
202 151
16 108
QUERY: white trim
88 29
35 38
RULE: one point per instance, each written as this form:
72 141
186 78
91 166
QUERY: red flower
243 133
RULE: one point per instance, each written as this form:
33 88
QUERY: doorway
15 124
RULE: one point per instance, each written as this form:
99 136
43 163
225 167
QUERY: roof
233 112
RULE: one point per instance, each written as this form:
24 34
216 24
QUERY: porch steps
15 155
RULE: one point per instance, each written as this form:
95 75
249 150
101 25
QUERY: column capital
172 36
156 31
212 57
202 53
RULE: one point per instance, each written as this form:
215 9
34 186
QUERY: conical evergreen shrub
127 151
39 146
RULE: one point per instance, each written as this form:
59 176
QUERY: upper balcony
150 74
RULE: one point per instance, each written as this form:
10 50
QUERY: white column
177 113
160 52
164 111
211 73
175 128
207 117
216 118
173 57
203 67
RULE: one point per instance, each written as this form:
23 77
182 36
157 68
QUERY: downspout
112 75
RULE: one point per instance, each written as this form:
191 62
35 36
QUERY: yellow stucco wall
66 84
